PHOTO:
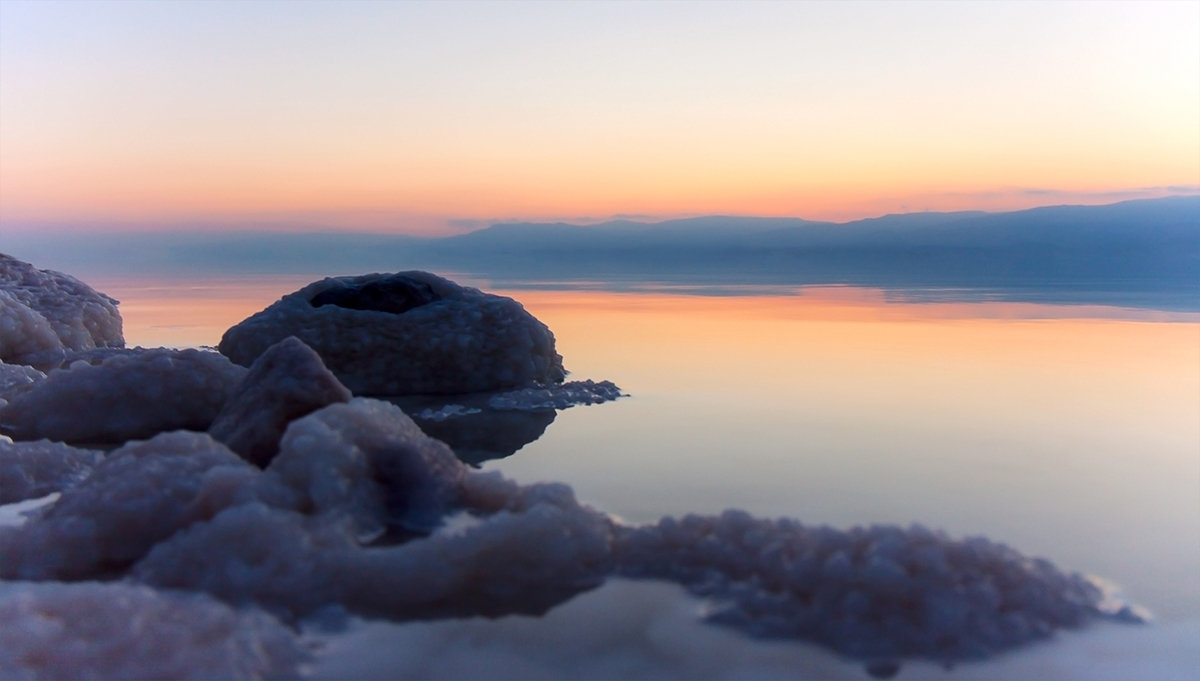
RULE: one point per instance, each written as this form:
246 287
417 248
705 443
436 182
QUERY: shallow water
1069 432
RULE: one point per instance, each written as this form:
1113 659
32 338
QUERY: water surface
1067 431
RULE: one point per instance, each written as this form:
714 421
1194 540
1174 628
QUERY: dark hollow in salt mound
396 294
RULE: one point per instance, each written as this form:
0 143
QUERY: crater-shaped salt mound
45 313
406 333
876 594
134 394
124 631
34 469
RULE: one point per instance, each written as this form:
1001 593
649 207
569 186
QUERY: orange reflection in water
818 327
191 312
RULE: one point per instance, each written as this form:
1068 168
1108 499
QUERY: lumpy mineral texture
44 314
97 630
134 394
406 333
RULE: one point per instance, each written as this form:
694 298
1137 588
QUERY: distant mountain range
1136 248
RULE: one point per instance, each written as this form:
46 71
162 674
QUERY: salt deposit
35 469
412 332
15 378
129 395
878 594
123 631
560 396
45 313
136 497
285 382
368 461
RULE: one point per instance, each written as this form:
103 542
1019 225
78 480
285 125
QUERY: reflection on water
476 432
1067 431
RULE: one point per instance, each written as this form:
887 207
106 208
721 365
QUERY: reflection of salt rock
35 469
413 332
126 396
477 435
875 594
285 382
368 460
137 496
123 631
43 313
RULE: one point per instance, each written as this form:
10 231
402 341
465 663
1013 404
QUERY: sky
440 117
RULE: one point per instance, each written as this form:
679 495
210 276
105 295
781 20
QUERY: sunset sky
436 117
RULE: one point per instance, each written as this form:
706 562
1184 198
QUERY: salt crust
461 341
34 469
132 394
44 313
285 382
93 630
16 378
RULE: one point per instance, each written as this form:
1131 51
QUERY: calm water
1068 432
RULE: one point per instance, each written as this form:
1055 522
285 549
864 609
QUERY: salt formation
352 469
34 469
44 314
412 332
16 378
561 396
136 497
877 594
128 395
285 382
123 631
368 461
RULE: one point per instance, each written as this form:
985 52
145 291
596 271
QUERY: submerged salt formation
133 394
124 631
43 314
34 469
561 396
406 333
879 594
285 382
